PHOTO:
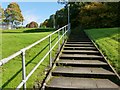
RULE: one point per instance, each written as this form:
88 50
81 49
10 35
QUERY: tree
32 25
45 24
2 16
13 13
88 15
61 17
97 15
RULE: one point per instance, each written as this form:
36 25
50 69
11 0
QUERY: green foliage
61 17
108 40
32 25
96 15
44 24
2 16
13 13
88 15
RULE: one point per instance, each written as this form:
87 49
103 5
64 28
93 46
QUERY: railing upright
50 56
63 35
23 69
64 31
59 41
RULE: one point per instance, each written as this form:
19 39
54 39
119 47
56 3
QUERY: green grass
108 40
14 40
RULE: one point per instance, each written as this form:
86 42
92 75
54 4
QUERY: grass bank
14 40
108 40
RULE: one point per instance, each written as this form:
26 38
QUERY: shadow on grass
30 30
38 30
7 82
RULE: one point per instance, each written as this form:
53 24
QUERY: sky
36 11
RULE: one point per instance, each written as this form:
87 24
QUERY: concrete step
81 63
78 42
78 45
80 52
80 56
93 72
72 83
79 48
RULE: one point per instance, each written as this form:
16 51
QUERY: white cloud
30 16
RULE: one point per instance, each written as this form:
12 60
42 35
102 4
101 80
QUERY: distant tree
32 25
61 17
13 13
2 15
44 24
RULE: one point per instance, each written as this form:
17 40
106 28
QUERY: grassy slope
108 40
12 42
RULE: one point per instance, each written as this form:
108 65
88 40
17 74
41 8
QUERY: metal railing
65 32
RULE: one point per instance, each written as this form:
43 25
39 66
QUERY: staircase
80 66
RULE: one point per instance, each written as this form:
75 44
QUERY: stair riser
89 58
61 88
83 75
82 65
78 45
79 48
88 53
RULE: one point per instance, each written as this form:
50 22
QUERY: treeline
87 15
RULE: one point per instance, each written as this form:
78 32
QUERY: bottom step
71 83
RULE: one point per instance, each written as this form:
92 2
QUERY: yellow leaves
95 6
14 11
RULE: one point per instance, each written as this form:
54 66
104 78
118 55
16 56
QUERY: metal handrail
5 60
66 29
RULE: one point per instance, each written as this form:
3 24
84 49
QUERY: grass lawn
108 40
14 40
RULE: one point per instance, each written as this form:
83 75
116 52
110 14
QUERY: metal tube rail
24 81
5 60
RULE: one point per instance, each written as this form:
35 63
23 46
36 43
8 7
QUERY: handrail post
50 57
70 27
23 69
63 34
59 41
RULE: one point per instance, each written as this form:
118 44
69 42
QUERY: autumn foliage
32 25
13 13
88 15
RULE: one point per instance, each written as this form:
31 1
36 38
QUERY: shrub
32 25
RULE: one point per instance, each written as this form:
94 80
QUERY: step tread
80 83
82 70
87 62
79 48
81 55
78 42
79 45
84 51
82 47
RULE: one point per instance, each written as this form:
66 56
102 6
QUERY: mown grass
15 40
108 40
